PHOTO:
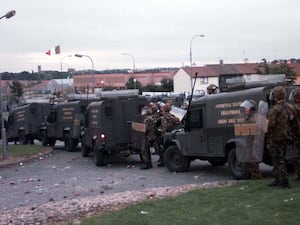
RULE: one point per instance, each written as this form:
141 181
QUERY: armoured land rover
64 123
24 121
210 131
108 127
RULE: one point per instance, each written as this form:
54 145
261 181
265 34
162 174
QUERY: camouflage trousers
296 161
145 151
253 168
278 150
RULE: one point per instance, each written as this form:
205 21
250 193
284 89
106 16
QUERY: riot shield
250 145
178 112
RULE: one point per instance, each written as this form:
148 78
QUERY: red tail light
102 137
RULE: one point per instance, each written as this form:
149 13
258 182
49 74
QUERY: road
67 175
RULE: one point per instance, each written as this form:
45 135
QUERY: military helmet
167 107
297 93
249 104
279 93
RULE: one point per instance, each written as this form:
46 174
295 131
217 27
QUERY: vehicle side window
33 110
52 117
196 119
108 111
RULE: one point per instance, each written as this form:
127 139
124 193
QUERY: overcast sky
156 33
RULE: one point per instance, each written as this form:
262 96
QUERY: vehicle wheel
22 138
44 138
238 169
85 150
68 142
175 161
99 156
217 161
51 142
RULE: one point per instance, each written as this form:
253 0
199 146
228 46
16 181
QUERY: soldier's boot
160 162
285 183
146 166
274 183
297 178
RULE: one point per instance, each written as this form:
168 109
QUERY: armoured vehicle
24 121
108 127
64 123
210 131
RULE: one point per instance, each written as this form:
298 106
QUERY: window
108 111
203 80
196 119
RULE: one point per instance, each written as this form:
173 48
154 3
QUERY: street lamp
93 71
3 131
191 60
11 13
133 61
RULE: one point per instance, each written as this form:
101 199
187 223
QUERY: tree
283 68
167 84
16 91
133 83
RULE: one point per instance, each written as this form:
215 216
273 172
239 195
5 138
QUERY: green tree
283 68
16 90
167 84
133 83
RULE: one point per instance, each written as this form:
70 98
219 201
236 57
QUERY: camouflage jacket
281 118
297 119
151 126
168 122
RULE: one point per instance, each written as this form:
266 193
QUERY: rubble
73 210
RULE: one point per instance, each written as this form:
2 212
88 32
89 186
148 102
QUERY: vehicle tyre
51 142
85 150
22 138
238 169
217 161
44 138
175 161
99 156
68 142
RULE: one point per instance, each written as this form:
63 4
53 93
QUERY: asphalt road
66 175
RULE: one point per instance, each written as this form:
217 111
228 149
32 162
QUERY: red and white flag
55 50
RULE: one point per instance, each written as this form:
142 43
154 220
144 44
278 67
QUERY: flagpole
61 72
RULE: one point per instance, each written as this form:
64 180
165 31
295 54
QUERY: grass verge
247 203
22 150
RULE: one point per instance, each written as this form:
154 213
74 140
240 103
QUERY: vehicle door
195 139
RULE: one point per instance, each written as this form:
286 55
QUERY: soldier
280 117
297 131
150 135
251 116
168 123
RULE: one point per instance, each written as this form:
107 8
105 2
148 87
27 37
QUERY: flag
55 50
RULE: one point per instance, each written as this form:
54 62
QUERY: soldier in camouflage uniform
280 117
297 131
167 124
150 135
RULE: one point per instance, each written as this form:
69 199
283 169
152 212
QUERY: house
185 78
208 75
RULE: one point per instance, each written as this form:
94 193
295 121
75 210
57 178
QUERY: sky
151 33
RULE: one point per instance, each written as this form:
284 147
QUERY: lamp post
191 58
93 71
3 131
133 61
9 14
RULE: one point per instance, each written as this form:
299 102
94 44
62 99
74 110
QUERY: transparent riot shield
250 144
